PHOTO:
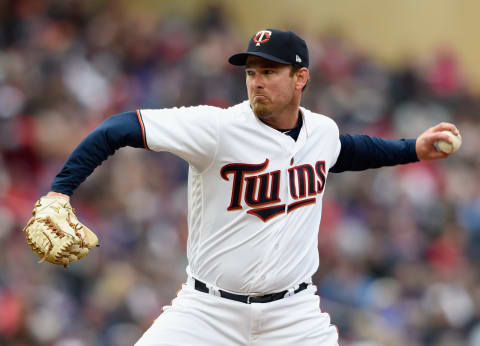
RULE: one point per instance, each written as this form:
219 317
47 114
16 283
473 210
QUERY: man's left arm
361 152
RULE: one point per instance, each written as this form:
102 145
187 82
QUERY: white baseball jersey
254 194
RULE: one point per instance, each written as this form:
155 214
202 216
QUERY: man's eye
249 73
268 71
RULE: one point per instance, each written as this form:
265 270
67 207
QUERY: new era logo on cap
284 47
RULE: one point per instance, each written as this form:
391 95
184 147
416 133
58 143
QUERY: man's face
270 86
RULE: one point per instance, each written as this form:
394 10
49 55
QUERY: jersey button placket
290 164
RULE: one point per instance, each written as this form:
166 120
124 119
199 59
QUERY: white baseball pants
201 319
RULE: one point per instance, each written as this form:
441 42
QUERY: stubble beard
261 110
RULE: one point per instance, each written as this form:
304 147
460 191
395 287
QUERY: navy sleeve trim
118 131
361 152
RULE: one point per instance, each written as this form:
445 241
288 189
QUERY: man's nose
258 81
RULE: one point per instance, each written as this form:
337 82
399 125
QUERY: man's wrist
58 194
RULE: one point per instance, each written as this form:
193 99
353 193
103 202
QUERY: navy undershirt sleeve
117 131
360 152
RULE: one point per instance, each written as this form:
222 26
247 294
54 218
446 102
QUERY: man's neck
286 130
288 119
298 123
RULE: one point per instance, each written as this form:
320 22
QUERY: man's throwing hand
55 234
425 145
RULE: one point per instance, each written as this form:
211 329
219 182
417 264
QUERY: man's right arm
118 131
360 152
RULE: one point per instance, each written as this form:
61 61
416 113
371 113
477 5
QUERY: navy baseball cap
284 47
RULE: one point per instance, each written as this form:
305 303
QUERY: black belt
267 298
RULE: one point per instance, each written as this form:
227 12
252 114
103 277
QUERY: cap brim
241 58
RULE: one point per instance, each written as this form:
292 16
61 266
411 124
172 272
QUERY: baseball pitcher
257 175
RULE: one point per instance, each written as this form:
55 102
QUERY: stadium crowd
399 247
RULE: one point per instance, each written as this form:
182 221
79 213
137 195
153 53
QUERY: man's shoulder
235 114
202 113
231 111
208 109
238 109
317 119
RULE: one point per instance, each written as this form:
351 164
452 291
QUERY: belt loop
213 291
290 292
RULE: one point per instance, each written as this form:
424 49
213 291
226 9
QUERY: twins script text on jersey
261 190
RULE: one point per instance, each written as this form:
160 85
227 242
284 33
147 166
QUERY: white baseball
447 147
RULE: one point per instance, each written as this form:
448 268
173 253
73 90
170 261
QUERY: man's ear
302 76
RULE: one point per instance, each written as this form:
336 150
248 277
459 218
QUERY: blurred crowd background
399 247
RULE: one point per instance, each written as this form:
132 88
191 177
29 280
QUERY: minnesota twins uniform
254 209
255 201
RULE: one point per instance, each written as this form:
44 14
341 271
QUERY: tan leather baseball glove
55 234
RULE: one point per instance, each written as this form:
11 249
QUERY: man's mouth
259 97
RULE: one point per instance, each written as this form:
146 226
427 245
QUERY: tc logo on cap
262 37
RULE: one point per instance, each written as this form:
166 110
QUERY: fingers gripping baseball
425 145
55 234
